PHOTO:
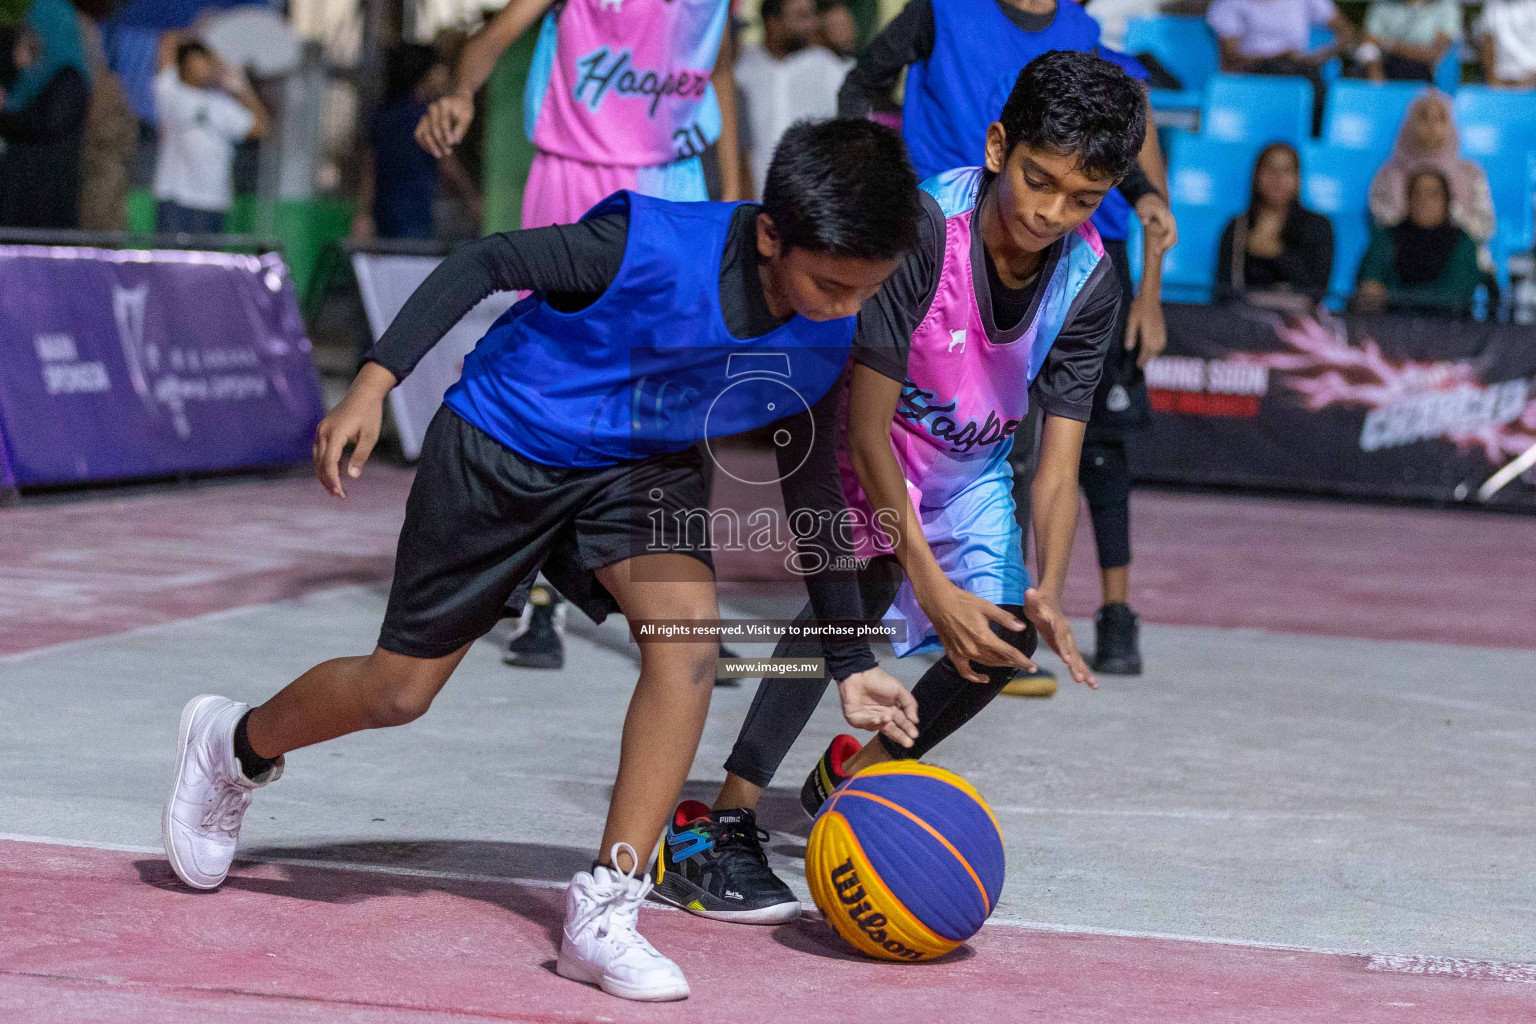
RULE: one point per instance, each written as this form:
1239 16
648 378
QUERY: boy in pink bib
1007 301
622 94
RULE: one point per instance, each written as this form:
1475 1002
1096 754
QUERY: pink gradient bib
626 82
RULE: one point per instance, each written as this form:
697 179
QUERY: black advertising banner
1387 406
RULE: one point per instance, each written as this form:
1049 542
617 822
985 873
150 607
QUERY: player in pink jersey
622 94
1007 302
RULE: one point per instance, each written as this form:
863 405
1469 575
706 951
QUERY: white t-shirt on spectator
1269 28
1114 15
777 93
198 132
1511 24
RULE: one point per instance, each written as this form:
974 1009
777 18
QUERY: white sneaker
201 824
601 946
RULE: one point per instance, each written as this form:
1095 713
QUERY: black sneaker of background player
1117 641
538 643
712 865
828 773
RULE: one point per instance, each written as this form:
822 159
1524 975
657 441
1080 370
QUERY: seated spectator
838 31
43 122
399 178
1273 37
1428 139
1426 264
1278 253
1405 39
1506 37
784 79
204 109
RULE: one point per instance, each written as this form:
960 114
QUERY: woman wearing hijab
1278 253
1428 139
43 122
1426 264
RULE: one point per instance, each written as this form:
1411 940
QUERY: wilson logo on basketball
850 892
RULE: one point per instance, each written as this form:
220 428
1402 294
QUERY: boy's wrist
928 583
373 379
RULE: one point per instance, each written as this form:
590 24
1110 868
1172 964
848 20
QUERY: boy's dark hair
191 48
405 65
843 186
1068 102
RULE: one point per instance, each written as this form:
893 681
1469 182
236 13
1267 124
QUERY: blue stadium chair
1366 115
1186 47
1323 37
1336 181
1351 235
1257 108
1495 121
1448 71
1208 181
1512 180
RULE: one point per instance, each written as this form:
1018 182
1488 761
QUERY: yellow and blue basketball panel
930 841
857 903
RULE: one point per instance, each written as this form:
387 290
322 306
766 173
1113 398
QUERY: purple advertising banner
117 364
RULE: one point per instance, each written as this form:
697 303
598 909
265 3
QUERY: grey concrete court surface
1330 793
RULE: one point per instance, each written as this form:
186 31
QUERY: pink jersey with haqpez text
626 82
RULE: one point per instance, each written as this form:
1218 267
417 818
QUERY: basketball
905 861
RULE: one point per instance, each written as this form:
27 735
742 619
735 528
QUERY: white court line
150 629
1180 814
299 862
1479 970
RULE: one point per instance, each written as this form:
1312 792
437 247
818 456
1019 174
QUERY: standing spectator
838 31
1428 139
1506 37
1426 264
399 177
1273 37
786 78
1277 253
1406 39
200 123
43 121
111 142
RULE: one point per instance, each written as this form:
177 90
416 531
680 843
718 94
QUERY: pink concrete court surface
1317 805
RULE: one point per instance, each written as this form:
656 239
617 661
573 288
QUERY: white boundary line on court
217 615
1396 963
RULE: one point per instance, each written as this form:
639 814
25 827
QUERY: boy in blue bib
574 436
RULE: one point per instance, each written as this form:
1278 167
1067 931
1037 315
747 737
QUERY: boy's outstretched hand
877 701
964 624
1045 612
354 422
